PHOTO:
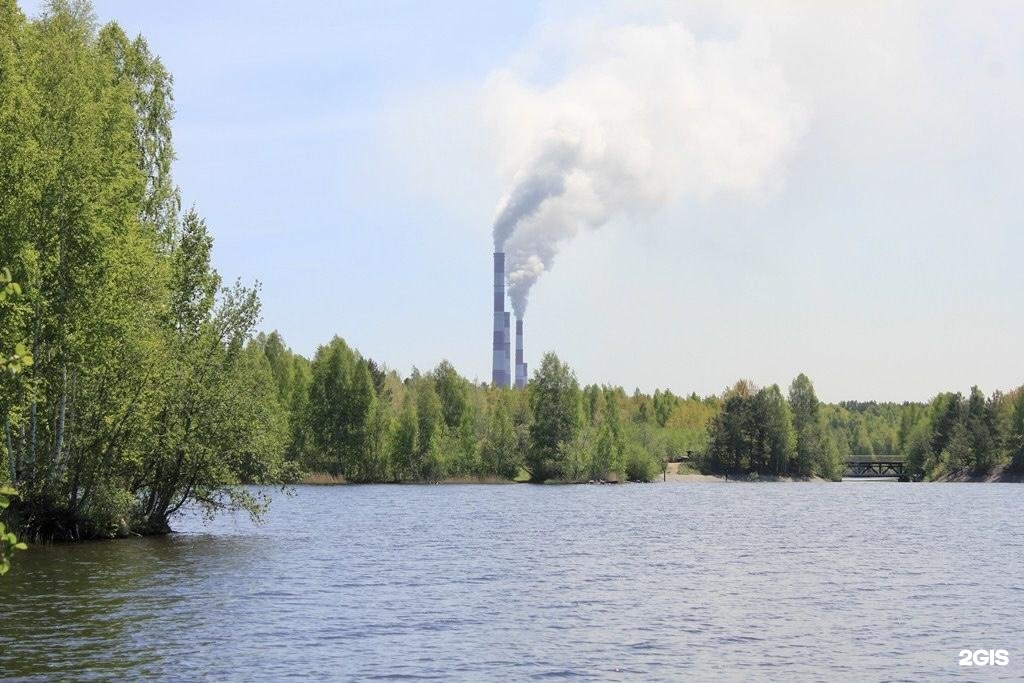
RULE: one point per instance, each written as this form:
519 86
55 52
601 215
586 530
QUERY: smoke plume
638 116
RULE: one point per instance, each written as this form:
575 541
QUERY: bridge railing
866 468
875 458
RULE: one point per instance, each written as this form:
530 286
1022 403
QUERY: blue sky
339 155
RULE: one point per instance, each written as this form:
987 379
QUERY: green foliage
555 403
664 404
405 442
1015 433
605 455
339 411
753 433
452 392
574 458
867 428
501 454
980 423
640 464
8 540
816 454
10 364
18 358
973 437
292 377
430 417
917 448
135 392
948 437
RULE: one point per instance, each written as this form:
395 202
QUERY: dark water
638 582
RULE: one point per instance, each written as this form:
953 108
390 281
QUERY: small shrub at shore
640 465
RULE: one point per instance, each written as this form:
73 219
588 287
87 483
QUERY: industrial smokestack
507 370
520 365
500 374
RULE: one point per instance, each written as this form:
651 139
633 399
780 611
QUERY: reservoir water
668 581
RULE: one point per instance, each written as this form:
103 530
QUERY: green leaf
21 546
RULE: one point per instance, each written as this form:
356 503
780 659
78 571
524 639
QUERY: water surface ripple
638 582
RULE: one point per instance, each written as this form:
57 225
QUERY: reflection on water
707 581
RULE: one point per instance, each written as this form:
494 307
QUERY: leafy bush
640 465
575 457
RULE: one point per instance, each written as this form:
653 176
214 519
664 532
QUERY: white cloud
637 115
876 204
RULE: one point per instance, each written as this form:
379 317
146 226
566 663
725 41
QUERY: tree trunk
32 418
67 428
58 438
32 437
10 452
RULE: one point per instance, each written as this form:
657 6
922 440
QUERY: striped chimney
520 365
500 375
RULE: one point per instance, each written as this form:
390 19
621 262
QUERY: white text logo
984 657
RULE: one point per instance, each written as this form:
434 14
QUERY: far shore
682 472
1000 475
326 479
671 475
675 472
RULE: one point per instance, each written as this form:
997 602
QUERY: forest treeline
351 417
133 381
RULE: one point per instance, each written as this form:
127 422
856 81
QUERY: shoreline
1000 475
690 475
672 474
324 479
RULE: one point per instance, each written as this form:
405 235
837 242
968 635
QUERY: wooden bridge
879 466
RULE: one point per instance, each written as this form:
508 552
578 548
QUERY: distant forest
133 381
353 418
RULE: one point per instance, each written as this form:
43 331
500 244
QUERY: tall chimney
520 365
499 364
507 369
